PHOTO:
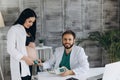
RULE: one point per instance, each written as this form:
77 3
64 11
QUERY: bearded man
69 55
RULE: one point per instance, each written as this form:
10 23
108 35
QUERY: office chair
112 71
1 73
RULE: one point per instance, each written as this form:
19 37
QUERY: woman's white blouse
16 39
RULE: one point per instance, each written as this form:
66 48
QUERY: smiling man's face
68 41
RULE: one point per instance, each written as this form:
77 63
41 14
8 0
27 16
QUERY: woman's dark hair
27 13
69 32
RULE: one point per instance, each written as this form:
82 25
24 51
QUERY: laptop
112 71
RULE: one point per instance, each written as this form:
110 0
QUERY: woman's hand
28 60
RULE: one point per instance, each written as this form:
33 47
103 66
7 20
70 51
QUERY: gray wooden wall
56 16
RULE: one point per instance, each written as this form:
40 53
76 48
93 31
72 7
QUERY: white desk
44 52
93 74
48 76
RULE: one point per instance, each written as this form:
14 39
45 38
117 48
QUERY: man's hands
40 62
68 72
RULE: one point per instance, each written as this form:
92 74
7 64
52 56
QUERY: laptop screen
112 71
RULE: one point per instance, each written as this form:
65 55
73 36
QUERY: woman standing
16 45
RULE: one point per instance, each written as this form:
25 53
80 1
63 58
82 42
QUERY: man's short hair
69 32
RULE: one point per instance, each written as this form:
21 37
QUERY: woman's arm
11 47
27 60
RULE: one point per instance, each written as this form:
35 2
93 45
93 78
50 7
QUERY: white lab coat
16 39
78 60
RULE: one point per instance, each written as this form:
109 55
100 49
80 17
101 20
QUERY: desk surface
48 76
93 74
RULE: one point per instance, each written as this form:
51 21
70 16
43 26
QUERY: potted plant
79 40
41 42
109 41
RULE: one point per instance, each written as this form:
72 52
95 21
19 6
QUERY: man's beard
68 47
